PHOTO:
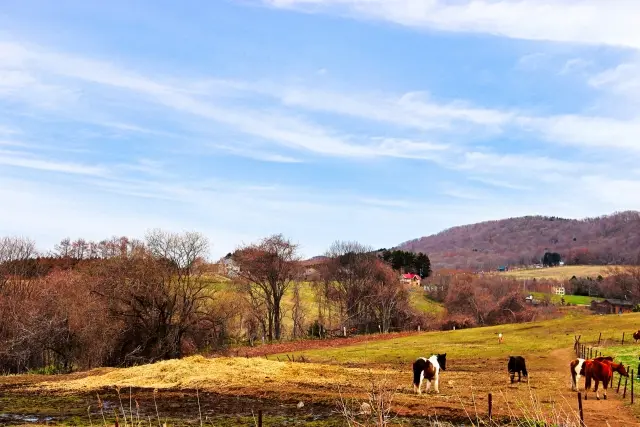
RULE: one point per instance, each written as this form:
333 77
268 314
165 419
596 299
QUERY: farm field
559 273
230 388
569 299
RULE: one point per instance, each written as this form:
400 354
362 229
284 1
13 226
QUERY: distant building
612 306
558 290
229 268
503 268
411 279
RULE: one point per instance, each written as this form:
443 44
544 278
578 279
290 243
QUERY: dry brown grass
226 375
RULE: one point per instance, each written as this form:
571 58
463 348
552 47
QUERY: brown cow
601 371
576 368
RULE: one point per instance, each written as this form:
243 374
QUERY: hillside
610 239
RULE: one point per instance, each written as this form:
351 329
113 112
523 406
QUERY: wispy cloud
24 160
592 21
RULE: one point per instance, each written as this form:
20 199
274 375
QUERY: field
568 299
326 371
559 273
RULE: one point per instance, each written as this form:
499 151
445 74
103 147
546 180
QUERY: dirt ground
464 389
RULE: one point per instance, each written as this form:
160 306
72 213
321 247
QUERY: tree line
121 301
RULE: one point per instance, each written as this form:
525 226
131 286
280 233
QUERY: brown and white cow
576 367
428 369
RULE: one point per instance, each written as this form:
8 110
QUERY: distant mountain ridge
608 239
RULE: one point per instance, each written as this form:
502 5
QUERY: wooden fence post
599 338
260 418
580 409
632 381
619 379
624 392
623 338
490 400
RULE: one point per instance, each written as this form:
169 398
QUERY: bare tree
157 296
14 254
348 274
181 249
267 270
297 313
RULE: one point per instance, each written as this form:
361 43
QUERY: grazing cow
577 370
429 369
517 364
601 371
636 335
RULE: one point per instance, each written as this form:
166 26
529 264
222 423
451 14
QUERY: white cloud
623 80
25 160
612 22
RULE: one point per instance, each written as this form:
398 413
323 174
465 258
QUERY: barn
611 306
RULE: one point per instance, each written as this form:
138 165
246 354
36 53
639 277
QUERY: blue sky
369 120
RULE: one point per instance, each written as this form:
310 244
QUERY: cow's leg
428 386
420 384
519 376
595 388
435 384
577 380
512 375
605 385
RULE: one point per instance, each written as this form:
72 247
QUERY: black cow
517 364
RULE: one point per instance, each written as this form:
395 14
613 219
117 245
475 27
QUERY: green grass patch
525 338
421 302
568 299
626 354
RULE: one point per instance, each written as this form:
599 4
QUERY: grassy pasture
558 273
525 338
476 365
569 299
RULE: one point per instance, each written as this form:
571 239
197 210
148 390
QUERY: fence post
490 405
599 338
622 338
632 381
418 328
619 379
624 392
260 418
580 409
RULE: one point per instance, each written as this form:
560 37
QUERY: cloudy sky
369 120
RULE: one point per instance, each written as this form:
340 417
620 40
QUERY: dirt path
611 412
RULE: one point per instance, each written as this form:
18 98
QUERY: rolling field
230 388
559 273
569 299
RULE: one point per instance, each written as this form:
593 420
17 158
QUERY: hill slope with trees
609 239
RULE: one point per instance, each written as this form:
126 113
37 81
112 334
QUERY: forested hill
610 239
